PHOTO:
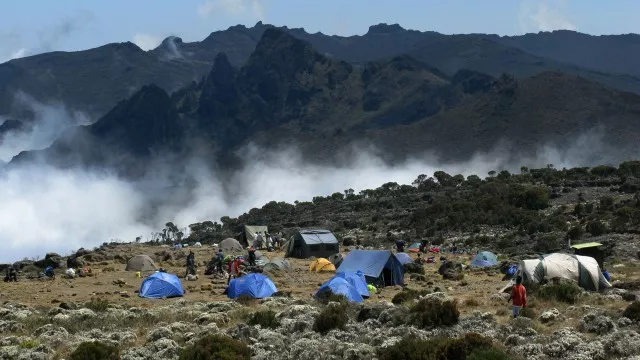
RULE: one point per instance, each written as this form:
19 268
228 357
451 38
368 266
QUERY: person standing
518 296
191 263
252 256
400 246
234 269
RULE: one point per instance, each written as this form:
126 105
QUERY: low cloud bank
50 210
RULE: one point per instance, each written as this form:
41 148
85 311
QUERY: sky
35 26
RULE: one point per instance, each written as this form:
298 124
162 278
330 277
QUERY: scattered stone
550 315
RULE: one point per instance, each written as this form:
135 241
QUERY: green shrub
410 348
29 344
575 232
596 228
328 296
528 313
562 291
431 313
246 300
95 351
632 311
266 319
216 347
97 305
407 295
488 354
331 317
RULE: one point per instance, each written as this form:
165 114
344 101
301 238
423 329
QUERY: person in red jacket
519 297
234 269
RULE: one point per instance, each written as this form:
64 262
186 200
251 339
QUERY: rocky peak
383 28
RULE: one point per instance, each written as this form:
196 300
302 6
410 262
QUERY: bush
410 348
488 354
575 233
216 347
29 344
266 319
596 228
632 311
95 351
245 300
407 295
328 296
97 305
528 313
331 317
471 303
413 268
563 291
432 313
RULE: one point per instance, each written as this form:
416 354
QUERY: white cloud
147 42
545 16
253 8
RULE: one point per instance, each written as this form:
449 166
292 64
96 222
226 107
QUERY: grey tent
277 264
582 269
141 263
307 243
250 232
230 245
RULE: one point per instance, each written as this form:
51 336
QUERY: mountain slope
289 94
96 79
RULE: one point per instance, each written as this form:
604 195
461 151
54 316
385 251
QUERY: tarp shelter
318 243
321 264
161 285
277 264
257 286
230 245
141 263
380 267
250 232
582 269
404 258
357 280
338 285
591 249
336 259
484 259
415 247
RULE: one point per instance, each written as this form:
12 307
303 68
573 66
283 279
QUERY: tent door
387 277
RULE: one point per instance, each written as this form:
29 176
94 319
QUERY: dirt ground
473 293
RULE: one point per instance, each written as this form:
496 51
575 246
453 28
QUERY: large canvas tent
307 243
380 267
250 232
582 269
141 263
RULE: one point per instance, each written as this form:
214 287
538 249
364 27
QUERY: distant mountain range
424 91
96 79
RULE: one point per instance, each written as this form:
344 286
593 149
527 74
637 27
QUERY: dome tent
230 245
404 258
277 264
322 264
357 280
336 259
339 285
484 259
141 263
256 285
161 285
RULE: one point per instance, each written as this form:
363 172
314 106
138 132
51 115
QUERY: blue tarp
485 259
161 285
404 258
255 285
339 285
379 266
357 280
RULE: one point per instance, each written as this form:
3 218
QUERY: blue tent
339 285
380 267
255 285
484 259
161 285
404 258
357 280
